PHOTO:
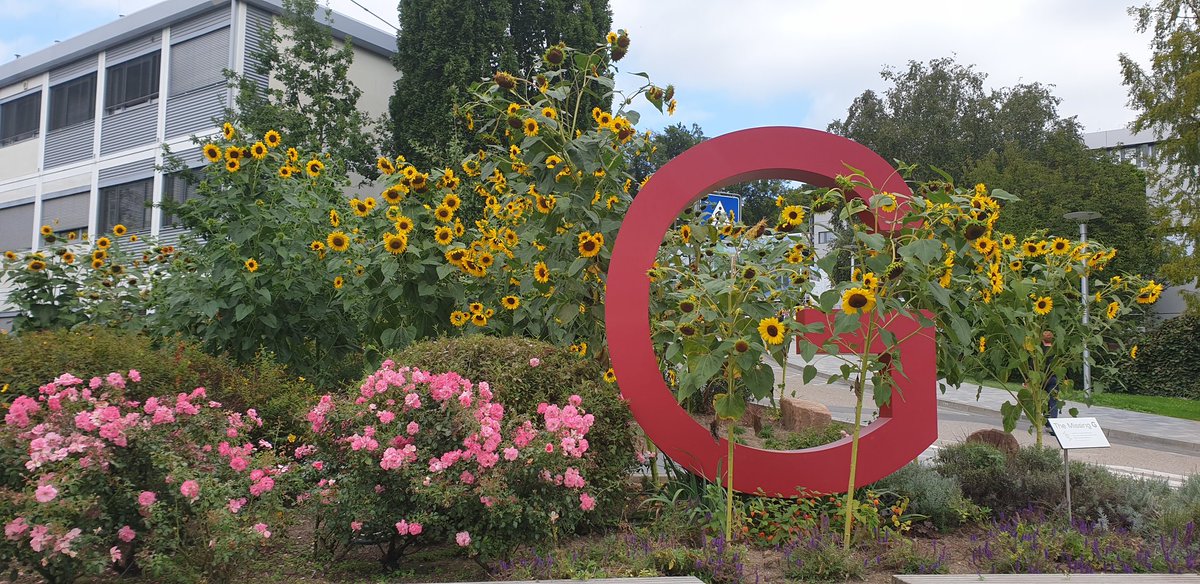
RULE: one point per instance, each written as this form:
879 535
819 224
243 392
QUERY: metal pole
1087 366
1067 474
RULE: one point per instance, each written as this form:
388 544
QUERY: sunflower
68 258
338 282
1060 246
1029 248
485 260
212 152
403 225
1149 293
610 376
233 165
685 233
443 235
443 213
228 131
285 172
103 243
360 208
385 165
982 344
97 263
771 330
530 127
314 167
856 299
395 243
452 201
984 245
251 265
316 246
1007 241
888 203
590 244
870 281
792 215
393 194
9 255
1015 265
37 265
233 153
604 120
1114 309
100 255
553 160
549 113
541 273
1133 351
293 155
338 241
116 270
458 318
510 302
456 256
272 138
1043 305
258 151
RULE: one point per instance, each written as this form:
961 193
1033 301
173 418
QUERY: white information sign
1078 433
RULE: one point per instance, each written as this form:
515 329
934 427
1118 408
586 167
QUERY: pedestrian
1050 386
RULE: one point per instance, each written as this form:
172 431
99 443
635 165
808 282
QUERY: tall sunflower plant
1016 303
516 237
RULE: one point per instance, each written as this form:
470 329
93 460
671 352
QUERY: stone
802 414
1003 441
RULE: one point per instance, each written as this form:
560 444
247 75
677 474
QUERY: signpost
1076 433
722 206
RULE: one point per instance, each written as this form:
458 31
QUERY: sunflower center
857 300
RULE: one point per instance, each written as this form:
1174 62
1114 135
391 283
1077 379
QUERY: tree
939 115
445 46
672 141
316 108
1168 99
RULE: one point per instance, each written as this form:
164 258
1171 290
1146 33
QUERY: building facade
83 122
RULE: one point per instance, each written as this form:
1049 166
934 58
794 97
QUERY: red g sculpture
904 429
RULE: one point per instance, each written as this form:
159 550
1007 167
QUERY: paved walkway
1119 425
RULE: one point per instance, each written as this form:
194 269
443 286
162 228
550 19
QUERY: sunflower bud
554 56
505 80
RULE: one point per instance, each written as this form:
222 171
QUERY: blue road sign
722 205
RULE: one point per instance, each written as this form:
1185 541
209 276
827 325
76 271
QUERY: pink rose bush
106 482
415 458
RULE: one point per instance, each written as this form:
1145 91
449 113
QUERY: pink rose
402 527
114 553
15 528
147 498
262 530
319 465
413 428
235 505
135 375
126 534
190 489
45 493
356 526
415 529
463 538
586 502
238 463
534 362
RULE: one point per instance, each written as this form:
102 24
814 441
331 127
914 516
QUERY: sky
755 63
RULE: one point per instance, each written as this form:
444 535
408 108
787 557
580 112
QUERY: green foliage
823 559
1168 360
938 498
167 367
504 363
1167 102
444 47
1180 507
1115 501
315 107
980 469
806 438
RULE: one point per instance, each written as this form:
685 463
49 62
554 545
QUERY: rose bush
416 458
175 485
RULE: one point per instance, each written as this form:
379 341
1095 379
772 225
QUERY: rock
800 414
1003 441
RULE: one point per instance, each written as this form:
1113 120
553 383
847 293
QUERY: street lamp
1082 217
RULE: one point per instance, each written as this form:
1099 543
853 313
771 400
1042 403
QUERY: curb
1121 436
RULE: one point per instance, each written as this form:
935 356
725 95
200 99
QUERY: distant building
82 122
1138 148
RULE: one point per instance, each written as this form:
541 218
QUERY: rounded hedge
504 362
1168 360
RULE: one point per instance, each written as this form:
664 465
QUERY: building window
127 204
73 102
20 118
179 188
132 82
825 237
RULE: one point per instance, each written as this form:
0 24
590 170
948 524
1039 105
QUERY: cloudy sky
785 62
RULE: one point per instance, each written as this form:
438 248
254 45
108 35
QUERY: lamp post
1082 217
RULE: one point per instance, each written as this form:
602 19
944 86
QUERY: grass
1175 407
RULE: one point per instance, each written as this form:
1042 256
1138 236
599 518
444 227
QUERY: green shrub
1112 500
1168 360
505 364
806 438
1180 507
939 498
27 361
981 471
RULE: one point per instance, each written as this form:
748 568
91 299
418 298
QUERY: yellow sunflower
1015 265
541 273
771 330
590 244
479 319
1133 351
395 243
510 302
443 213
1043 305
553 161
549 113
212 152
443 235
228 131
530 127
97 263
338 282
338 241
272 139
403 224
233 164
452 201
293 155
360 208
685 233
335 219
610 376
285 172
314 167
103 243
1114 309
37 265
317 246
258 151
385 165
1060 246
1149 293
458 318
68 258
1007 241
982 344
792 215
251 265
856 299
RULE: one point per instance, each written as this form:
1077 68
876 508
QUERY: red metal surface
816 158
